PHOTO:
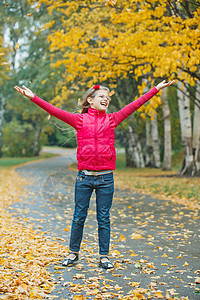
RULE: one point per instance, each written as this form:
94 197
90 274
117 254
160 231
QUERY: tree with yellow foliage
107 40
158 38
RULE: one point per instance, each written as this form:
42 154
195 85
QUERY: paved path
155 243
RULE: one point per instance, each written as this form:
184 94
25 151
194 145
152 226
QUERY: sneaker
70 262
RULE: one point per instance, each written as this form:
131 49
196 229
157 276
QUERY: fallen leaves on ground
24 253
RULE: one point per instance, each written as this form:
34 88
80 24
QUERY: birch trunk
196 132
134 156
186 130
133 149
2 111
167 132
155 143
149 148
149 158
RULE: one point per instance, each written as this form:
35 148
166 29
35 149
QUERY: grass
163 184
14 161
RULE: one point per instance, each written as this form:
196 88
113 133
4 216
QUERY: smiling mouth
103 103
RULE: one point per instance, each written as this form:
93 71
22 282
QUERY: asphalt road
154 243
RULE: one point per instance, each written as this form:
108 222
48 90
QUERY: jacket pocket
106 153
86 153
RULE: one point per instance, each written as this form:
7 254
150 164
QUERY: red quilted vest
96 138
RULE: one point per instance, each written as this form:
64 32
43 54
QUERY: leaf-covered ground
154 243
25 253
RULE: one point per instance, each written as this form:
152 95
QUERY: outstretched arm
67 117
126 111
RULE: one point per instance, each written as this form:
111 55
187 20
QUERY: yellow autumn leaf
150 265
132 253
59 267
136 236
122 238
78 297
138 296
32 294
44 81
29 256
111 94
115 252
158 295
16 46
134 284
66 229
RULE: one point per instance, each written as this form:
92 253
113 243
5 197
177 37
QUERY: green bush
18 139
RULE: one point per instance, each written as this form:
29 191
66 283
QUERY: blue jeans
104 189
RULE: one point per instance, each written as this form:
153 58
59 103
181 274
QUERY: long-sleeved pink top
95 131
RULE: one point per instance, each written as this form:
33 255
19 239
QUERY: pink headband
96 87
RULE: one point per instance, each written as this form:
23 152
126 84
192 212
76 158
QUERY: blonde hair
91 93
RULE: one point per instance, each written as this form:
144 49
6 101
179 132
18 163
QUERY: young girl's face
100 101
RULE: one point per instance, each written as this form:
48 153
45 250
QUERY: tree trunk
155 143
2 111
134 156
196 132
186 130
36 149
149 148
167 132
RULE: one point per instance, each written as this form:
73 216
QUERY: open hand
164 84
25 91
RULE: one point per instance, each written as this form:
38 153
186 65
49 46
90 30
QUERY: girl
96 160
